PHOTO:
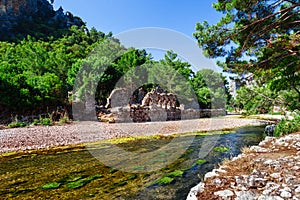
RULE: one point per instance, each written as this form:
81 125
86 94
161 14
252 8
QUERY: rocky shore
269 171
44 137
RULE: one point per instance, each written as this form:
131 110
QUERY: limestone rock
245 195
224 194
194 191
210 175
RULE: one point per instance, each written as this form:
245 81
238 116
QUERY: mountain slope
19 18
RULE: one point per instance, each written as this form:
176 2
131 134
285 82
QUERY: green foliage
46 121
17 124
64 120
210 88
36 122
286 126
183 68
256 100
260 37
34 73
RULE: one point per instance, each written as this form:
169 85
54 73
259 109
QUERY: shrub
16 124
46 121
286 126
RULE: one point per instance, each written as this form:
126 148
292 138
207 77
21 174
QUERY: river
76 174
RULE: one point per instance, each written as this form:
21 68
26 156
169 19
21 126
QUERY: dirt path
40 137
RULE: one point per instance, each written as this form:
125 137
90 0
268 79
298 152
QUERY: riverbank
45 137
270 170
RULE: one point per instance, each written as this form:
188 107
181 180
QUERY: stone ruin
157 105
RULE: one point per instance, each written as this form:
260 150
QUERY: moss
139 168
111 171
52 185
76 184
81 182
122 183
177 173
221 149
74 179
200 161
132 177
163 181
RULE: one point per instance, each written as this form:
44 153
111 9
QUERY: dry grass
246 150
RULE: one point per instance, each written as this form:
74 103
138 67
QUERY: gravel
43 137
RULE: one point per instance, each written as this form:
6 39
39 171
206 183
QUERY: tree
257 36
210 88
171 59
37 74
256 100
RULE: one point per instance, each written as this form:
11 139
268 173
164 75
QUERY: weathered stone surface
264 197
210 175
245 195
224 194
286 192
275 176
155 106
119 97
194 191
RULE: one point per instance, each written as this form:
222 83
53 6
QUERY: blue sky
119 16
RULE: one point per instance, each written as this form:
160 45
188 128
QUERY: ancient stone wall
155 106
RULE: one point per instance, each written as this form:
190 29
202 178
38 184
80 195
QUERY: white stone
266 192
217 181
275 175
290 178
266 140
297 190
296 168
210 175
194 191
258 149
264 197
220 170
245 195
224 193
285 194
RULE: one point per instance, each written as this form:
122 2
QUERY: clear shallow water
76 174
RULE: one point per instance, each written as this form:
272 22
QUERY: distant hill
19 18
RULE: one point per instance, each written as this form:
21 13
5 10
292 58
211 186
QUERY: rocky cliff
19 18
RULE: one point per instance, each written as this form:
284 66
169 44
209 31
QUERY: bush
286 126
46 121
16 124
